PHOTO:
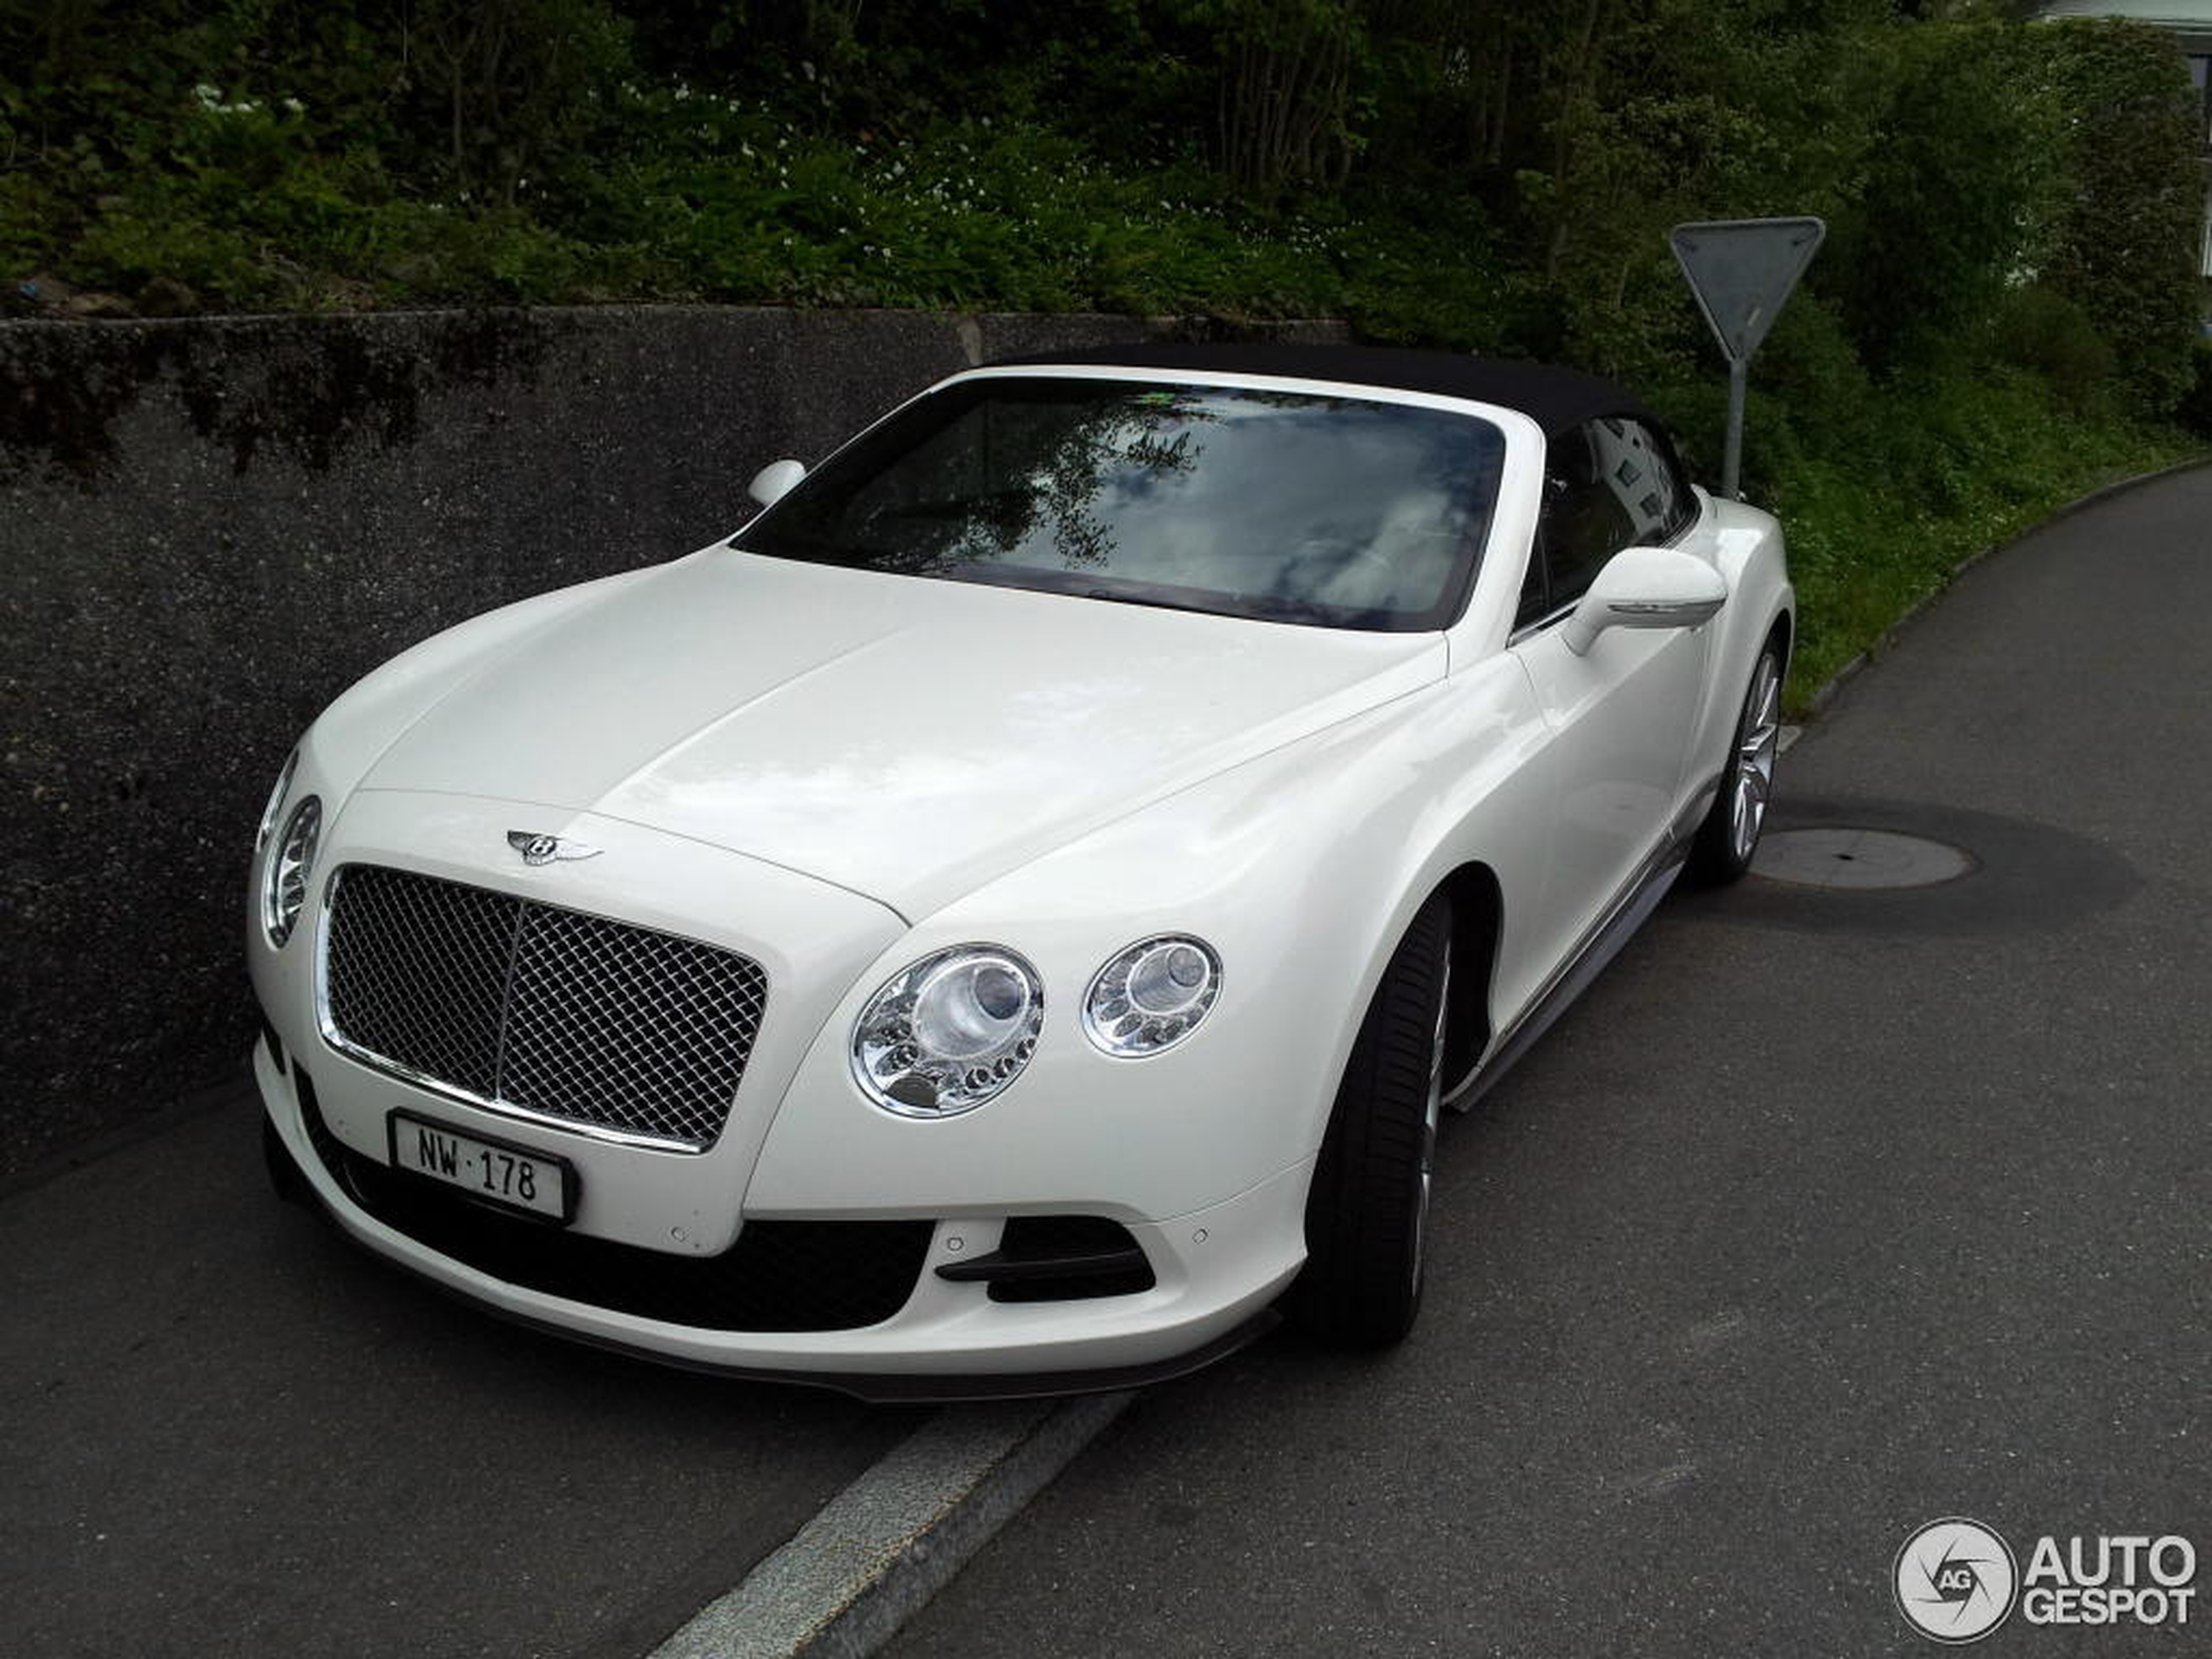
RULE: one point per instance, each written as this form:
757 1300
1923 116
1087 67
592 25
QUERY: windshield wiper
1113 598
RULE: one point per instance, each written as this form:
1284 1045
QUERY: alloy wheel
1758 742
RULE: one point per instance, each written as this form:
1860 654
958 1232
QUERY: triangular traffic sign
1741 270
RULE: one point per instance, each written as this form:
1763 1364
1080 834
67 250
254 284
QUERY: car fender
1302 868
1747 549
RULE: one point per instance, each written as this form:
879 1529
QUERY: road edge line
844 1584
1822 695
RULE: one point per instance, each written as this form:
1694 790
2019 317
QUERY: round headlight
276 802
948 1033
1152 995
284 884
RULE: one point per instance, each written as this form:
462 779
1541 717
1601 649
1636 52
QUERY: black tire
285 1178
1718 854
1366 1212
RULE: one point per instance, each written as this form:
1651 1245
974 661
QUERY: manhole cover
1856 858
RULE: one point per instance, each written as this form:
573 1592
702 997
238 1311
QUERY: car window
1609 484
1535 590
1331 509
1585 521
1667 504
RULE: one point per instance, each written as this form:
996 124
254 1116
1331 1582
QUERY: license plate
496 1172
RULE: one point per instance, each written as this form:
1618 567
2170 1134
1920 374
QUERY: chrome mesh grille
528 1007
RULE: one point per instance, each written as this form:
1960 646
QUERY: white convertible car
1010 918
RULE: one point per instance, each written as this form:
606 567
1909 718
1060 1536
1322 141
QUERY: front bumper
1217 1271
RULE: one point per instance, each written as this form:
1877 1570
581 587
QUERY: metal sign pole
1739 372
1740 272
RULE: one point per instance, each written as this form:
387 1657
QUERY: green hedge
2004 314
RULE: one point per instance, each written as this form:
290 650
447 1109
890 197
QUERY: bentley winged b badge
543 849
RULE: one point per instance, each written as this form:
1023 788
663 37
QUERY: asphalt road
228 1433
1822 1215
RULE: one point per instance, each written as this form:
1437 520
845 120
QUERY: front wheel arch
1478 925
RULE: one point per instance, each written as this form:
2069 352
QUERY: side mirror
773 482
1646 586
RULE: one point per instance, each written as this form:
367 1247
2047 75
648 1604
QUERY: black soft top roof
1556 399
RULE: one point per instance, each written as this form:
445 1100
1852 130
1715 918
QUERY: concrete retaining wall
209 527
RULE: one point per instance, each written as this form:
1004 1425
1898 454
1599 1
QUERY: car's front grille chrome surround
526 1008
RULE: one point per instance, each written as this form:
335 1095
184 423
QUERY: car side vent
1058 1258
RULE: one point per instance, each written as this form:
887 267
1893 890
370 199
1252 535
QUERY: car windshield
1286 506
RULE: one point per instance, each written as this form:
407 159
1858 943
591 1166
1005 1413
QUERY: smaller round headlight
276 802
948 1033
1152 995
284 884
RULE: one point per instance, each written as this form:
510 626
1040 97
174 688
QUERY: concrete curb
846 1582
1826 693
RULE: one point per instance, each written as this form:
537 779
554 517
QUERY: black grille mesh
523 1004
780 1275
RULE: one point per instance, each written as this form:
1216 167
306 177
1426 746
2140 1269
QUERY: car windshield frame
783 530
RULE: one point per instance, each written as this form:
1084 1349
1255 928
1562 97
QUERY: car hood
905 738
